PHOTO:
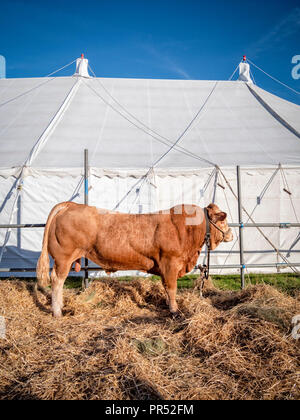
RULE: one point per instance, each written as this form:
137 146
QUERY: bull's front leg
170 269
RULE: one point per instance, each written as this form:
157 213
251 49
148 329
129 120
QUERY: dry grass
117 341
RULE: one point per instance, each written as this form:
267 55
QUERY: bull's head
220 231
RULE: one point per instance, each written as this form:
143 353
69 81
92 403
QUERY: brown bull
166 243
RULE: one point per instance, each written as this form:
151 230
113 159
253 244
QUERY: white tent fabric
127 125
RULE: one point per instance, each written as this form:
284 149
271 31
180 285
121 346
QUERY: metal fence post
241 227
86 201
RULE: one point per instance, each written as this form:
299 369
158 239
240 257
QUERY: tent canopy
49 121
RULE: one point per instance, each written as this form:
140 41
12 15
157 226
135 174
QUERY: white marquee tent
152 144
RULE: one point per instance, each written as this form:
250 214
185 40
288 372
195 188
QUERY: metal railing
213 267
234 225
241 266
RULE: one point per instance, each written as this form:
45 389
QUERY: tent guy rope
274 78
177 147
38 86
162 139
179 138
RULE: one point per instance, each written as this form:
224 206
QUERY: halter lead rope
207 243
204 269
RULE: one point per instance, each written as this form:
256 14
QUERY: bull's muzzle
228 236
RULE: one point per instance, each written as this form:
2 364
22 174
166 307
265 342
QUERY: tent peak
82 67
244 69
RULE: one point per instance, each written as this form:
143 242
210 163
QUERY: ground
118 341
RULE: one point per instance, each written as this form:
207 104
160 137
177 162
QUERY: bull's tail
43 265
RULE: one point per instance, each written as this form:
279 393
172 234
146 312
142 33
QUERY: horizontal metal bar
22 226
214 267
284 225
275 225
257 252
226 266
17 270
275 265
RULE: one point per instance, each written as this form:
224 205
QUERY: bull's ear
220 217
215 214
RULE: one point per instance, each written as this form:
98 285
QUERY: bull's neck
200 234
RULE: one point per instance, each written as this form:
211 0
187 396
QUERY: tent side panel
40 193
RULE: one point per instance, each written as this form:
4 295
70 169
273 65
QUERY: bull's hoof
57 315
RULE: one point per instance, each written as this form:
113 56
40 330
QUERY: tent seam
52 124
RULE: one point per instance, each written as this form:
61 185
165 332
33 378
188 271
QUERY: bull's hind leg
58 277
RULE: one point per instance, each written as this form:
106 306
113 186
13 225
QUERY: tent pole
86 202
238 173
215 186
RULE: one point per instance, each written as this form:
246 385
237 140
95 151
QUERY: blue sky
178 39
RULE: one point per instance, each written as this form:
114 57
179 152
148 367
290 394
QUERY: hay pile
117 341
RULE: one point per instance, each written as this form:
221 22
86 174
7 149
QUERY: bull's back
85 227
